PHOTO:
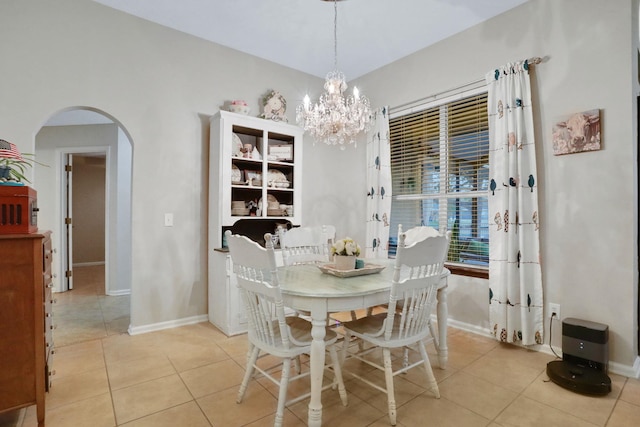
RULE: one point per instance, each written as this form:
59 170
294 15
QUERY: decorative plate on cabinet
275 176
270 199
236 145
236 175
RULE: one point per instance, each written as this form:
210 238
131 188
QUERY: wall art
580 132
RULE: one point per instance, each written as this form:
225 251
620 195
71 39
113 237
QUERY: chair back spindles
306 245
256 271
417 272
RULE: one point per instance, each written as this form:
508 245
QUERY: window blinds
439 166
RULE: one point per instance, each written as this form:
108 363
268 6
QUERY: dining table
310 288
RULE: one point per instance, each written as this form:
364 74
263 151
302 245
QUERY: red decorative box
18 209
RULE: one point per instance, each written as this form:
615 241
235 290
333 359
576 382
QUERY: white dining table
307 288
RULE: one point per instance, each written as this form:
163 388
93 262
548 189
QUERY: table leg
442 313
318 321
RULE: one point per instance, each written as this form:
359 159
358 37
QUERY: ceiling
299 33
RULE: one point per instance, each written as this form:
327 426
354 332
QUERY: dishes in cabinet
240 211
271 201
239 208
236 175
275 212
276 178
236 145
282 152
254 178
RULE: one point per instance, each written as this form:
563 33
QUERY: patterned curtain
515 283
378 186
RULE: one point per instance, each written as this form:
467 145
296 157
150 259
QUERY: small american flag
9 150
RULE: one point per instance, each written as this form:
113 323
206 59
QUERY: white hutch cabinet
254 175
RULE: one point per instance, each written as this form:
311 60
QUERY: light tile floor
189 376
86 313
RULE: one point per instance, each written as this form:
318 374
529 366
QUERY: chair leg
252 357
282 395
354 317
296 364
405 358
345 347
337 370
436 341
431 379
388 376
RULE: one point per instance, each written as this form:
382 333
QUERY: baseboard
468 327
119 292
88 264
614 367
636 368
136 330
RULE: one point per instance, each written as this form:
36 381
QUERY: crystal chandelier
335 118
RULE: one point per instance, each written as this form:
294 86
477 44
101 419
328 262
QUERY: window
440 174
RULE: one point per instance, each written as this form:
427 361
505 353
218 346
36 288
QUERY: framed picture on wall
577 133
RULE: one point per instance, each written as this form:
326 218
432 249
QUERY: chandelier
335 118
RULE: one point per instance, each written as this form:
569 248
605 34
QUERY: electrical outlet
554 308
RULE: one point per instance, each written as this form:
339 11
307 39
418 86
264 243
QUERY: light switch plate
168 220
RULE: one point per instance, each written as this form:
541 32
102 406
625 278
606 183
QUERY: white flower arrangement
345 247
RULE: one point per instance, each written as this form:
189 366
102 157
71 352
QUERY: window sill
463 270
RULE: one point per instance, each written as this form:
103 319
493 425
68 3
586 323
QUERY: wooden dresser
26 329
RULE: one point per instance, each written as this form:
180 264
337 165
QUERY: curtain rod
467 86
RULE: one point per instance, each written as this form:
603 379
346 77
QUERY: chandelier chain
335 34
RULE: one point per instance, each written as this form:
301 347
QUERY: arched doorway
94 280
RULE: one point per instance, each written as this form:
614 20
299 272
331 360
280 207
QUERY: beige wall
88 209
163 85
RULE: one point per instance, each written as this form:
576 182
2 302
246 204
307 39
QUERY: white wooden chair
413 235
415 281
270 332
417 234
306 245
